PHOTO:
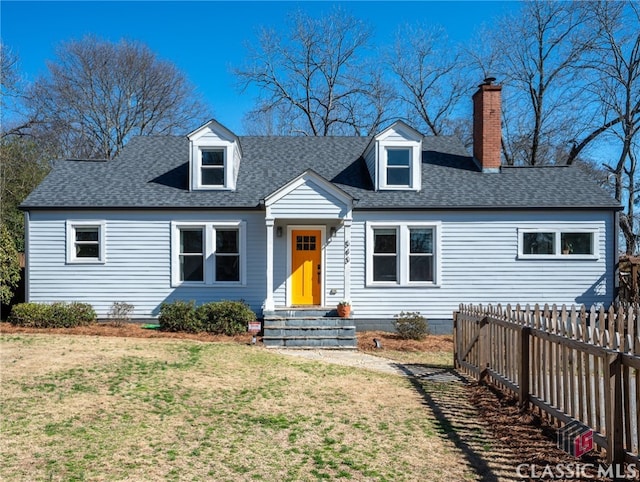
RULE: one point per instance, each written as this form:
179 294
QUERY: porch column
347 259
268 302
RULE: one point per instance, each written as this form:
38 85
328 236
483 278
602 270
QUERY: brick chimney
487 128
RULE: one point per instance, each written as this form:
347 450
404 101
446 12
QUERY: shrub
179 316
120 312
34 315
225 317
9 265
411 325
56 315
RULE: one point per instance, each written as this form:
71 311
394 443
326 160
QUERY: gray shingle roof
151 172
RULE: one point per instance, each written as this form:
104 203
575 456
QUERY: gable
394 158
214 157
309 196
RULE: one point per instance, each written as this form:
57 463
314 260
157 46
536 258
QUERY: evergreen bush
411 325
179 316
56 315
225 317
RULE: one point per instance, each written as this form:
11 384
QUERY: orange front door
306 267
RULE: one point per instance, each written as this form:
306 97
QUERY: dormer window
398 167
212 168
214 158
394 159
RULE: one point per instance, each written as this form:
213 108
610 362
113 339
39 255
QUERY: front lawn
110 408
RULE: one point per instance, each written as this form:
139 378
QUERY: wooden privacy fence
572 364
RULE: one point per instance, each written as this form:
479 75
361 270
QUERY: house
393 222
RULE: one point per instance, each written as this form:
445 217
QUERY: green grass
84 408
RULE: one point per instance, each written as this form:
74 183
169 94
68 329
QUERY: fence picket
566 362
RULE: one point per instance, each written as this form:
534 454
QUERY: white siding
138 262
479 264
311 201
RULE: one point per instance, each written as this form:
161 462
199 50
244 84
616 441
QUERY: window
556 243
420 254
402 254
212 169
385 255
191 254
398 167
85 242
209 253
227 255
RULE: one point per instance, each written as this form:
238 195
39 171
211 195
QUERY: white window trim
557 232
414 165
71 226
209 252
227 166
403 243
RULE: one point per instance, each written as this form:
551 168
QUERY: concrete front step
321 332
314 312
307 322
310 342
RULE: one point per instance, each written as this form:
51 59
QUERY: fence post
523 368
613 407
455 340
483 348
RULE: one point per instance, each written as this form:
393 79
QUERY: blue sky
205 38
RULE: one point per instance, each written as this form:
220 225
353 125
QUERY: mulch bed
527 434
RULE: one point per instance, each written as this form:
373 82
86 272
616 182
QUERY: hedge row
56 315
219 317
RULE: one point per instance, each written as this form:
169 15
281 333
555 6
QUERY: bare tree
316 82
98 94
13 119
428 71
617 87
541 50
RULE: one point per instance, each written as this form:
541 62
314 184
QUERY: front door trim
322 229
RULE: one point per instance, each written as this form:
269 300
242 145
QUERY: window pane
227 268
398 157
87 234
384 268
87 251
577 243
398 176
213 176
384 240
538 243
191 241
421 241
421 268
227 241
191 268
213 158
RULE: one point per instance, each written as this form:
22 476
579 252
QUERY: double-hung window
227 254
398 168
402 254
385 254
85 242
209 253
212 167
550 243
191 254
